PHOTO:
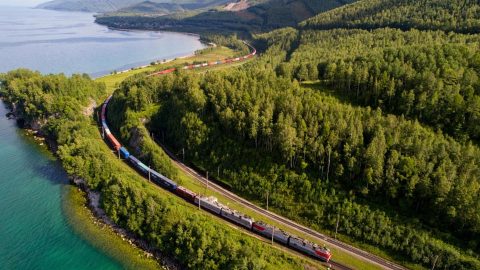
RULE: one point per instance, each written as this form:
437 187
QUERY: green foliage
38 97
428 76
228 41
312 153
168 223
447 15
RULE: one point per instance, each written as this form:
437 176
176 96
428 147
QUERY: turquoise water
34 233
69 42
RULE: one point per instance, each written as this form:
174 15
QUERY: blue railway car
138 164
133 160
164 181
124 152
143 167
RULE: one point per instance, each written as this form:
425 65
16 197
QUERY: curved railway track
287 222
363 255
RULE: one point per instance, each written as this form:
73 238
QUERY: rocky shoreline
93 197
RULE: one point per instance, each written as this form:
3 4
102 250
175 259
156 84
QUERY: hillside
245 16
115 5
149 7
372 131
449 15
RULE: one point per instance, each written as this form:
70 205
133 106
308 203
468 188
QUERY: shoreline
98 215
93 204
210 45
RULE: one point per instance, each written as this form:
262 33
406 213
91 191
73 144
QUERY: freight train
210 203
220 62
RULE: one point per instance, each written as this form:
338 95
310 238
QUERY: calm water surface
69 42
34 234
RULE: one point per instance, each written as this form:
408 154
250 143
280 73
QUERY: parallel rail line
286 222
363 255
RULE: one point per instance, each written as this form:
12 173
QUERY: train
211 204
205 64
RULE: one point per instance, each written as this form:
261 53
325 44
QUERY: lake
70 42
34 233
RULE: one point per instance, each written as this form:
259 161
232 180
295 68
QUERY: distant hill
449 15
239 16
115 5
88 5
149 7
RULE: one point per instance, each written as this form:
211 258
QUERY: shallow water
33 231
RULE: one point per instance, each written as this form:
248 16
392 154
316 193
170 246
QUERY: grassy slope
189 182
206 55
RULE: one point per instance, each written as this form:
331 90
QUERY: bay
34 233
70 42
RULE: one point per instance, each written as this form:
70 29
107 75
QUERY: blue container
124 152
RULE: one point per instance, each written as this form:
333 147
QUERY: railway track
287 222
365 256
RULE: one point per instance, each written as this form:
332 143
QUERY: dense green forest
430 76
168 223
319 158
368 115
448 15
344 124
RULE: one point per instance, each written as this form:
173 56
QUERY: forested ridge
430 76
448 15
258 16
319 158
168 223
375 128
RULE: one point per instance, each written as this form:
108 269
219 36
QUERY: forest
430 76
447 15
169 224
377 129
366 116
260 16
319 158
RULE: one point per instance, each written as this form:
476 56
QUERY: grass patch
205 55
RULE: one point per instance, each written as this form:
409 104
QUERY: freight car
309 248
267 231
237 217
209 203
186 193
